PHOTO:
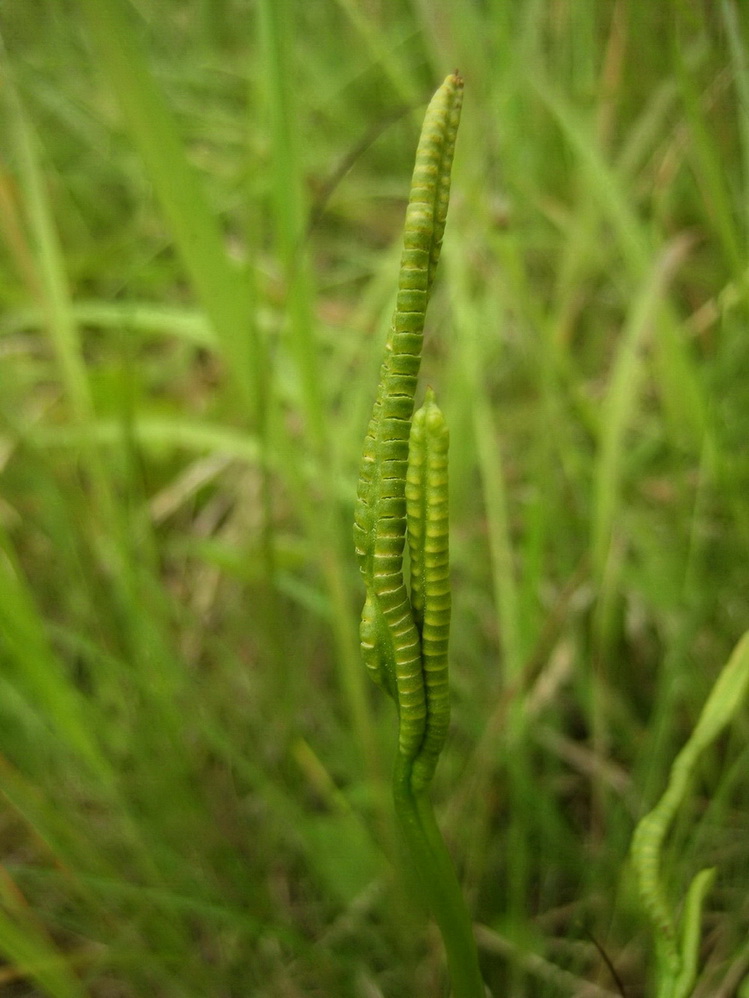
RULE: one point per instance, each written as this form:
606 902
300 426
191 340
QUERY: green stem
438 882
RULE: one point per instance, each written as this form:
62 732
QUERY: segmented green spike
403 491
387 434
677 939
390 641
428 542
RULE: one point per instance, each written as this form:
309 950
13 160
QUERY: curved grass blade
676 945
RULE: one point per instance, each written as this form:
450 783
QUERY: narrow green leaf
224 293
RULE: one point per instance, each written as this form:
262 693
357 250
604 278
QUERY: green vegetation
403 500
201 209
678 951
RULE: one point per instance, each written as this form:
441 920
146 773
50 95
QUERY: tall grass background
201 205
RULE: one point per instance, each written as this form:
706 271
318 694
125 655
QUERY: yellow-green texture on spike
391 643
677 939
428 543
403 495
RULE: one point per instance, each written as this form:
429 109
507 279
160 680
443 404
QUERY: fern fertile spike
428 540
391 642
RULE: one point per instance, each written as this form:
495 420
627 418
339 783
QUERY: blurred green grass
201 207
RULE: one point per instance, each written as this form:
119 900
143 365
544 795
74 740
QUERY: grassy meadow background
201 205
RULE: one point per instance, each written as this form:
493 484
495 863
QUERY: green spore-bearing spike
387 434
676 945
391 644
428 542
371 649
404 639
